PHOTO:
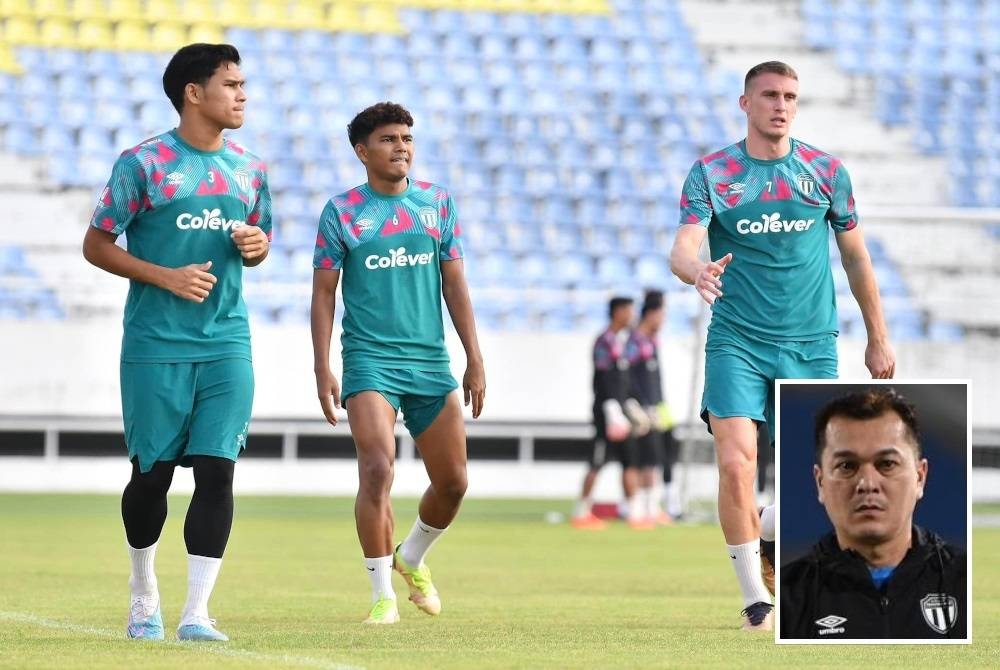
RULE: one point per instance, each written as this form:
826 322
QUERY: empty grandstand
564 129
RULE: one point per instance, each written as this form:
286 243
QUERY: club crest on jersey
429 217
940 611
242 178
806 183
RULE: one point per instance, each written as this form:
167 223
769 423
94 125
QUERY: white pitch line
211 648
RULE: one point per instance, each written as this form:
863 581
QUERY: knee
213 474
375 476
152 484
735 467
453 488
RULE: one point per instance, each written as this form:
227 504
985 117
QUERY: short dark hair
653 300
870 403
617 302
772 67
195 64
380 114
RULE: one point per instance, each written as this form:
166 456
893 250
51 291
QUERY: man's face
869 479
222 98
770 103
388 152
623 316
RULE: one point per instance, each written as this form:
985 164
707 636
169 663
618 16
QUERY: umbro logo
737 187
831 624
175 178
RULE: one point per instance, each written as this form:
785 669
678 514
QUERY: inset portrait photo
873 511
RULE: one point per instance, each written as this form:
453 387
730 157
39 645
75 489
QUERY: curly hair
380 114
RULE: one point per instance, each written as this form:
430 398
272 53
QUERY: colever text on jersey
208 220
772 224
397 258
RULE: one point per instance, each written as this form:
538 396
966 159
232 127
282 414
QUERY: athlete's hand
474 387
250 240
192 282
328 390
880 359
709 282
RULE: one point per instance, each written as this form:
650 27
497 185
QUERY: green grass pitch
518 593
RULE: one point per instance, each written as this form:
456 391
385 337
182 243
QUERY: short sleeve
123 198
330 248
451 232
696 203
842 216
260 216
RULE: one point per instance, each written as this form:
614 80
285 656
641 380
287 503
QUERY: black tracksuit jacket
829 594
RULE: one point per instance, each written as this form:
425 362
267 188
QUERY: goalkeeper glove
616 425
638 417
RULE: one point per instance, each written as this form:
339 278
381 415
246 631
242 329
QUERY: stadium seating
935 66
564 135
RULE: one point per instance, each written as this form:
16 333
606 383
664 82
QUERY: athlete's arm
690 269
324 297
252 243
191 282
456 296
880 359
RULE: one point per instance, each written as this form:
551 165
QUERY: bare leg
442 447
372 419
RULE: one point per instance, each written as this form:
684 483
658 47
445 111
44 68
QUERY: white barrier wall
71 368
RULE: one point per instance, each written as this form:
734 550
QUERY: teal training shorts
421 395
174 411
740 371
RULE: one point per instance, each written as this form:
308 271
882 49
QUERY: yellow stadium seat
379 17
154 12
52 8
132 35
200 11
168 36
88 9
305 15
8 62
16 8
57 32
343 17
236 13
124 10
271 14
19 30
94 34
210 33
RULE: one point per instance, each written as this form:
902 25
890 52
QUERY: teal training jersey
389 250
773 216
178 206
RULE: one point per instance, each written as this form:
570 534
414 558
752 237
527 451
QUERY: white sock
380 572
584 506
202 573
653 508
746 562
420 540
767 524
672 499
142 579
635 506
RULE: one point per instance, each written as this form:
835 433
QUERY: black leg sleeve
210 515
144 503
